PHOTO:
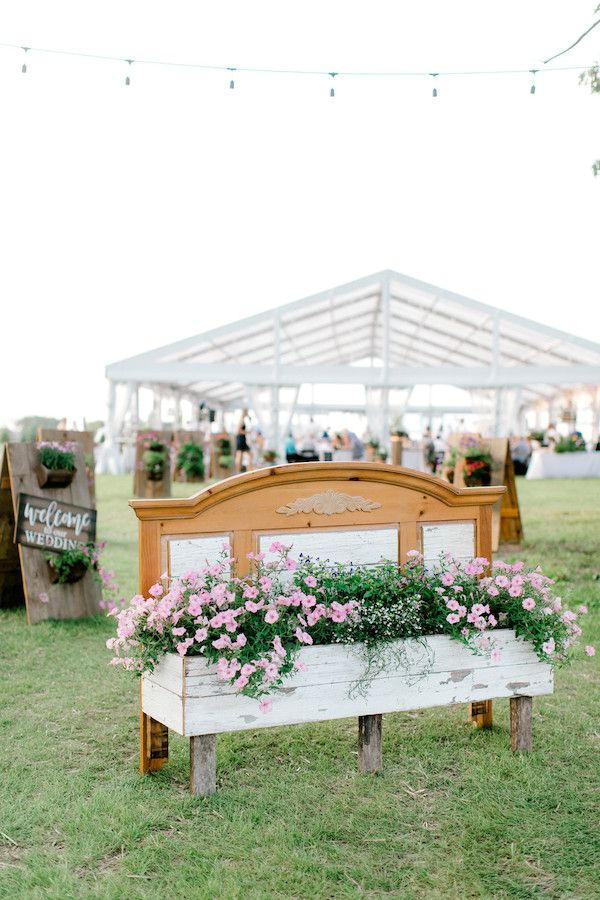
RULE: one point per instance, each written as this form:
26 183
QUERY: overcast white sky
131 217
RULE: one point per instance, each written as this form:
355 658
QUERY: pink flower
250 592
493 590
556 605
515 590
528 603
265 583
447 579
413 553
251 606
248 669
182 647
178 631
265 705
452 618
549 646
301 667
279 648
240 682
496 655
43 597
290 565
502 581
271 616
492 620
517 567
156 590
276 547
452 604
568 616
591 651
201 635
310 581
302 636
582 610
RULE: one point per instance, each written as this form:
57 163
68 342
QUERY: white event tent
377 339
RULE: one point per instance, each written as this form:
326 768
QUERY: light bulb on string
231 82
24 66
532 88
332 89
434 92
128 77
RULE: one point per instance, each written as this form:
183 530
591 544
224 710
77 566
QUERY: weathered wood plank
456 538
203 765
369 743
189 554
359 546
521 737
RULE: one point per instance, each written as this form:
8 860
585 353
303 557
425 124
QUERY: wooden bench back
345 512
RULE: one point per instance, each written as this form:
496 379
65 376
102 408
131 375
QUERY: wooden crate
187 695
86 439
142 485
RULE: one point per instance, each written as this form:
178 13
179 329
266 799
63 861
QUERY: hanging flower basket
54 478
76 573
477 473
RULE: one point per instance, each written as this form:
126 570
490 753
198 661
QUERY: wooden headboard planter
347 511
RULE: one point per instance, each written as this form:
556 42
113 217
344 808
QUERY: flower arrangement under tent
253 627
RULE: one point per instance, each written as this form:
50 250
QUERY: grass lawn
455 814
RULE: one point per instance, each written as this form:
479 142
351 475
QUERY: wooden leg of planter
520 724
203 765
480 714
369 743
154 742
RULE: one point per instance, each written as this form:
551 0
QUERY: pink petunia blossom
591 651
496 655
265 705
447 579
290 565
279 648
582 610
528 603
549 646
271 616
452 618
43 597
156 590
310 581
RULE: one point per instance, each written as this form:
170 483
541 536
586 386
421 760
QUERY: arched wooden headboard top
344 511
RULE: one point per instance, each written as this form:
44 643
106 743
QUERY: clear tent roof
342 332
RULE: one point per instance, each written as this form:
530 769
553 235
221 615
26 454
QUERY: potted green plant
571 444
56 464
155 458
269 456
190 461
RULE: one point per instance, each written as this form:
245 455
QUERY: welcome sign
53 525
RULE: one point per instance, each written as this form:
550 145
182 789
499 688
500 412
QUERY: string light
269 71
127 77
532 88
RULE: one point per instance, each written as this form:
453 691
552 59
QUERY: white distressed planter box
186 695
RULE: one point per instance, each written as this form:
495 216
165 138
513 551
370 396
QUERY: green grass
455 814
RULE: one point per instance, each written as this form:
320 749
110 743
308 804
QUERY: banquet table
548 464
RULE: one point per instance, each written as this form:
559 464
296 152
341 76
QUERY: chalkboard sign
50 524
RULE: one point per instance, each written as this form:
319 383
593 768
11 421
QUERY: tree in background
591 76
29 425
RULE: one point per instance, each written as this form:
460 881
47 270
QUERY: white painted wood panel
364 547
444 673
456 538
191 554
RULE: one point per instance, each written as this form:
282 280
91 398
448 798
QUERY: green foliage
57 456
5 436
569 445
536 436
269 456
155 459
190 460
67 560
225 460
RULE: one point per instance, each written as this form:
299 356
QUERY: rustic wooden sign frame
142 485
506 519
86 439
299 498
24 572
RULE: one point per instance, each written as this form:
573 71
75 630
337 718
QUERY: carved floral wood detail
327 503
